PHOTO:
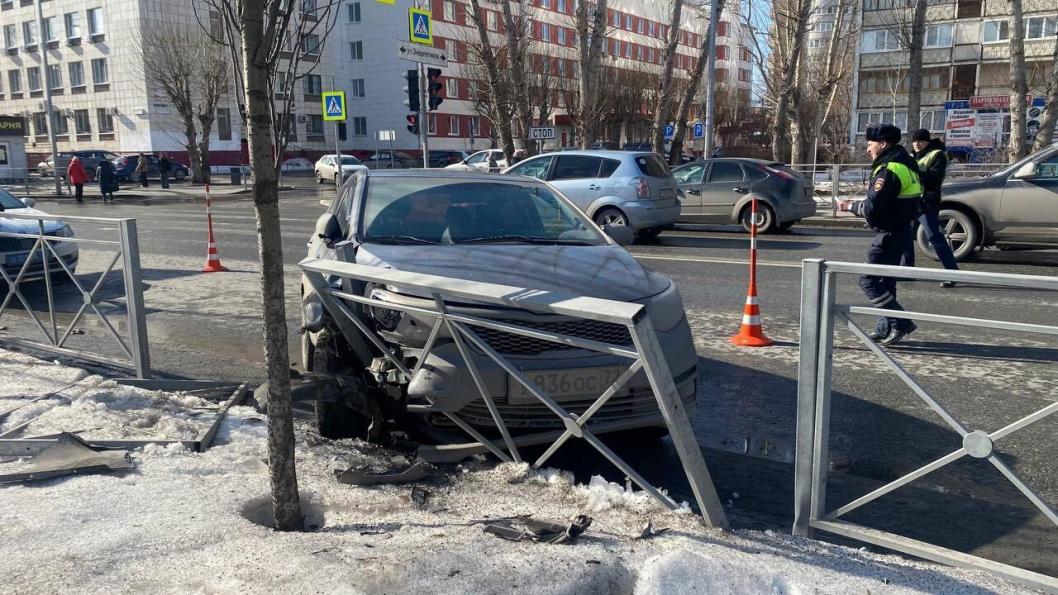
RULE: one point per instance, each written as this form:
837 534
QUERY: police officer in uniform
932 168
893 196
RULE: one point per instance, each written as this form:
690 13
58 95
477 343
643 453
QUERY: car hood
957 186
10 225
606 272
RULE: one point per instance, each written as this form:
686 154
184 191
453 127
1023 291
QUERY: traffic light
433 87
411 87
413 123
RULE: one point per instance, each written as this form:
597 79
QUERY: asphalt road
208 326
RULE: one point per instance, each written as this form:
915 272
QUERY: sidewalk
156 195
825 217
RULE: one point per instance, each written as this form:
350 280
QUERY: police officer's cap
921 135
884 133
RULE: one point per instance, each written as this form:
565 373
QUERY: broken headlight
387 318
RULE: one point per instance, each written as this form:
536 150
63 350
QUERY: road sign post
334 111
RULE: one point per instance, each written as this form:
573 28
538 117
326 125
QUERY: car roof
447 174
612 154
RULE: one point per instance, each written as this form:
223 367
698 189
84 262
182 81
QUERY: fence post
835 188
807 379
130 256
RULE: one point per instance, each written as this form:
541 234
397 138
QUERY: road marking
791 265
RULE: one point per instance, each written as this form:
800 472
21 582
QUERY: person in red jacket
77 176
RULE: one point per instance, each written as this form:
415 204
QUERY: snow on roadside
179 523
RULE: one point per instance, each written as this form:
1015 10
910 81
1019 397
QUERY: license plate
563 385
19 259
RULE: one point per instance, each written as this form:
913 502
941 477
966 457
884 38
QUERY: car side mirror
29 202
622 234
328 230
1027 171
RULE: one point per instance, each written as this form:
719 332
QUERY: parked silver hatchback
634 189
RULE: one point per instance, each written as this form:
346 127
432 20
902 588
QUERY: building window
40 124
223 123
1040 27
492 21
865 119
105 121
449 11
315 125
54 76
216 25
354 12
885 4
61 126
95 21
560 5
33 78
824 27
615 19
99 71
73 25
939 36
545 32
360 126
475 126
721 28
431 124
641 27
560 35
356 50
14 81
76 74
639 53
881 40
545 3
743 75
721 75
51 29
10 36
816 43
744 54
82 124
453 125
995 31
452 88
358 89
628 50
722 52
310 44
313 84
29 32
628 22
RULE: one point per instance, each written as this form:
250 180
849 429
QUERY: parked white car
15 251
487 160
327 168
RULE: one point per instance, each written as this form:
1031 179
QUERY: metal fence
820 317
644 355
39 273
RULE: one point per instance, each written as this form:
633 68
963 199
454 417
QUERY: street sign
420 26
422 54
334 106
387 135
544 133
670 131
699 130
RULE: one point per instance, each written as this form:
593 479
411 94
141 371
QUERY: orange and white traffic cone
213 264
751 334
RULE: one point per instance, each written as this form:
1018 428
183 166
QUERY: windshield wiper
524 239
399 240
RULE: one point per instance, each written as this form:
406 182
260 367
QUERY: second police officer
893 197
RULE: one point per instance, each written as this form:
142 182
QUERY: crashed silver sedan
509 230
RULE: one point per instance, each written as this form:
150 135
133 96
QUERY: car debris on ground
71 456
539 530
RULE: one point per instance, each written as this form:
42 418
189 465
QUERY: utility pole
424 124
48 107
710 81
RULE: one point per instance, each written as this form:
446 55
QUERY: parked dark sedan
89 159
720 191
1016 207
125 168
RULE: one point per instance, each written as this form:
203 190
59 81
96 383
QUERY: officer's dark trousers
929 220
886 248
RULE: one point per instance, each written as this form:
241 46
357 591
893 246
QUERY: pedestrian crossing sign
334 106
420 26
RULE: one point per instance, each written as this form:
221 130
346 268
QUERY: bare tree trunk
194 156
498 103
1019 86
1050 111
914 91
286 502
516 55
780 146
662 106
687 101
591 34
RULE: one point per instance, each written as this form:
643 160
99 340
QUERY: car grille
619 408
16 244
510 344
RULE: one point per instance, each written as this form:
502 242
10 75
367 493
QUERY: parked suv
635 189
89 159
125 168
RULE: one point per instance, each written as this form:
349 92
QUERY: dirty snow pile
194 522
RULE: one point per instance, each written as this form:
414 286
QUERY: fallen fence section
819 317
22 447
645 355
49 253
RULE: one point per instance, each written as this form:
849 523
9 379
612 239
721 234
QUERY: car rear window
652 165
609 166
785 169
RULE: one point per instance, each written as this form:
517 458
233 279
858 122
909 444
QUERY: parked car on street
511 230
721 190
389 160
487 160
623 188
89 159
14 252
125 168
439 158
1016 207
326 168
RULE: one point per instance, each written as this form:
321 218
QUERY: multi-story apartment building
105 100
966 65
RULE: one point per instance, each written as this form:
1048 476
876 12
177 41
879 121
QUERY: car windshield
1053 150
350 160
440 211
8 200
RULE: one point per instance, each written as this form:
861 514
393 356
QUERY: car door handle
594 187
740 190
694 192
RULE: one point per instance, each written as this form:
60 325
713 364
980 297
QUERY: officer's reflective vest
910 187
927 159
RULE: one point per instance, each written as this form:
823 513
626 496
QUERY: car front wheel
959 230
319 178
336 420
180 175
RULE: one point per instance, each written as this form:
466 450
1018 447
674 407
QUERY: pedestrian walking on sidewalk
141 169
932 168
77 176
108 180
163 169
893 196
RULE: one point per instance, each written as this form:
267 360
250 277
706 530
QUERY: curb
829 221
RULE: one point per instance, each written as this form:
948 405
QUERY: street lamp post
48 107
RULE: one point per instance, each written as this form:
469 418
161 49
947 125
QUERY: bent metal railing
819 315
43 254
646 355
